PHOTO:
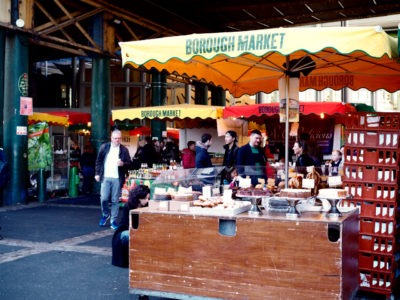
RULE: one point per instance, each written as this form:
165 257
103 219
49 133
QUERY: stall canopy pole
287 130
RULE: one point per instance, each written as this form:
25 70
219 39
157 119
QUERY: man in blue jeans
111 165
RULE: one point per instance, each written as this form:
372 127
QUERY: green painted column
2 54
218 96
158 97
16 68
101 107
201 93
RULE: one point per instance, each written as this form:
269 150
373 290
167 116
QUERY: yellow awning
48 118
247 62
181 111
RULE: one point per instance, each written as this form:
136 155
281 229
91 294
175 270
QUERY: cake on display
332 193
295 193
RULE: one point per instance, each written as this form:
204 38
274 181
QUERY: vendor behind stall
303 160
251 160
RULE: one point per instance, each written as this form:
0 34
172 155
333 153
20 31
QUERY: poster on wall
25 108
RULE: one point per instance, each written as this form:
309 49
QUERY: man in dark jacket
251 160
203 159
112 162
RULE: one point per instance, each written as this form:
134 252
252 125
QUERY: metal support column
16 70
158 97
218 96
100 106
2 62
201 93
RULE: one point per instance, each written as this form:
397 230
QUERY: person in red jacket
189 155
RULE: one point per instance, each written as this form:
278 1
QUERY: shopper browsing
203 159
111 164
189 155
138 197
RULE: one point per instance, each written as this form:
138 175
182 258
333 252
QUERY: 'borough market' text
250 42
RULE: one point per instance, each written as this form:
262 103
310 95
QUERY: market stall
248 62
293 59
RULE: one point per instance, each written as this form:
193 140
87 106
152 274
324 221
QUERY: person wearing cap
231 149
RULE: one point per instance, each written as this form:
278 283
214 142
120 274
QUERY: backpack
4 170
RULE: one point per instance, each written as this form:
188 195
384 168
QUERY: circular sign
23 84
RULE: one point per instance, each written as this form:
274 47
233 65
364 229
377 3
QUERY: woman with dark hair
138 197
231 149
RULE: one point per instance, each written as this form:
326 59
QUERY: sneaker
113 225
103 220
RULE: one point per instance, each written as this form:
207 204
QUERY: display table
180 255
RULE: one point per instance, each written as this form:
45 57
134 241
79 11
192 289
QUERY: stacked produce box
371 176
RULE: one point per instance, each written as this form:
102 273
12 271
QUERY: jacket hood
201 145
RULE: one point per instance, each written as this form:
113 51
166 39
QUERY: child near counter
231 177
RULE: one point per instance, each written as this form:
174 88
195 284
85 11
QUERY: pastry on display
182 197
295 182
332 193
295 193
208 202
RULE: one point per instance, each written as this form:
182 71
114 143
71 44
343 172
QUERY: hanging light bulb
322 115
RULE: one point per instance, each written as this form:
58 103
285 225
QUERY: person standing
189 155
252 154
111 164
87 162
203 159
231 149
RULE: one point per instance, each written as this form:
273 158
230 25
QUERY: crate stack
371 176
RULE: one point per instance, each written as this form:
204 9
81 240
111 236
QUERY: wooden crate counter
179 255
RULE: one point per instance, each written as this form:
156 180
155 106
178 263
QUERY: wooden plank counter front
180 255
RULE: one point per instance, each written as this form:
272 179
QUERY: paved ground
56 250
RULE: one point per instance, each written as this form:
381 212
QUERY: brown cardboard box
159 205
180 205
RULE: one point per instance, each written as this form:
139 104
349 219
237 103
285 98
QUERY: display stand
293 212
254 209
190 256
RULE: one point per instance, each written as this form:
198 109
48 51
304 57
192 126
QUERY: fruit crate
378 210
372 191
371 156
379 282
374 121
379 227
370 173
387 140
376 262
377 244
